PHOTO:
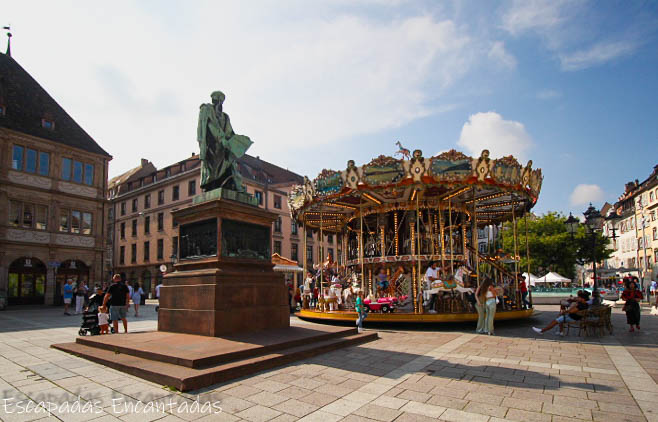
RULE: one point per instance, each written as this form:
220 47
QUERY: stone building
145 236
53 179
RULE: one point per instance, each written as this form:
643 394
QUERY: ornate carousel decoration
393 218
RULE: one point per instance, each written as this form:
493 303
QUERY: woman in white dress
137 297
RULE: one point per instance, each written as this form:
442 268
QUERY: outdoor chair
599 320
580 324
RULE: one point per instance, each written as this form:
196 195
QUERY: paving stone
454 415
414 417
379 413
486 409
446 401
414 396
424 409
258 413
318 399
527 416
568 411
341 407
266 398
523 404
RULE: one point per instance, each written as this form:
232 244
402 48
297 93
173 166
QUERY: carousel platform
189 362
311 315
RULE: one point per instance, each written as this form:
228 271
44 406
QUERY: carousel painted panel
451 166
383 171
329 182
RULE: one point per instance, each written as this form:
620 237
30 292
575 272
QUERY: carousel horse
405 153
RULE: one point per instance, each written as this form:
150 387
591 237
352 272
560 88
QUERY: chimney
193 154
144 162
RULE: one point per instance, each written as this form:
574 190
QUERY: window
123 230
28 216
160 221
277 225
294 252
133 253
161 197
75 221
147 224
63 220
330 251
259 197
147 201
122 253
653 216
135 205
309 234
123 208
174 246
160 249
651 197
48 124
133 232
89 174
86 223
309 254
30 160
655 233
277 202
330 239
77 171
17 158
175 194
293 227
277 247
44 163
66 169
191 188
147 246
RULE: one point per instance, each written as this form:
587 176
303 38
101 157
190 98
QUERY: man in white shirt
157 295
432 274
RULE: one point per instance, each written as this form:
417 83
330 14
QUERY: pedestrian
157 296
570 314
486 297
361 310
103 318
80 294
137 294
68 295
632 296
523 288
118 298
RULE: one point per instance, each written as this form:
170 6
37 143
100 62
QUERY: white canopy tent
553 278
530 278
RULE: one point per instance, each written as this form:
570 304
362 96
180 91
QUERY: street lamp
593 222
572 225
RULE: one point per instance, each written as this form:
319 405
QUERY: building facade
634 220
53 180
145 236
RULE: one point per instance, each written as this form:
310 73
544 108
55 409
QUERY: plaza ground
409 374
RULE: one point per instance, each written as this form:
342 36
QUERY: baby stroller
90 321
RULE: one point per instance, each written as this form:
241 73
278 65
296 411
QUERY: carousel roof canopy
494 188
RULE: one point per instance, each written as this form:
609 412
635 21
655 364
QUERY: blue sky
569 84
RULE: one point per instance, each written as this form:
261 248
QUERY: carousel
407 236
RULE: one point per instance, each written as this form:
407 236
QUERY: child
360 309
103 320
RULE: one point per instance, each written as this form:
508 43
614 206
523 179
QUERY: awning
288 269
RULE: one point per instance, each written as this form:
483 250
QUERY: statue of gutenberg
219 147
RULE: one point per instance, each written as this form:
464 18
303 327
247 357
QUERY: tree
551 246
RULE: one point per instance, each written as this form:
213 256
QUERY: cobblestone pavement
409 374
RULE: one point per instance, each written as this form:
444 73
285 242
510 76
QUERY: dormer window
48 124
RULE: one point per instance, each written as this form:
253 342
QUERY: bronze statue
219 147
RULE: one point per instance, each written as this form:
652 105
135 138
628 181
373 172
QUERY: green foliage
552 248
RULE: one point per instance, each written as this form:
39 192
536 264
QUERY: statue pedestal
223 282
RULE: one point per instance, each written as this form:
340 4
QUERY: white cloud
535 15
583 194
498 53
490 131
548 94
597 54
293 76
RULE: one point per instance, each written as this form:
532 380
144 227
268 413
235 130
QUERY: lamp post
593 223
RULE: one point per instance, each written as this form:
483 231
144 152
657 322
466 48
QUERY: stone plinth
233 290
